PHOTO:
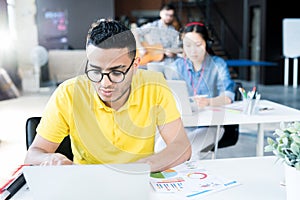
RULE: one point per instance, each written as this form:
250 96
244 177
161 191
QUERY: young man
160 32
112 112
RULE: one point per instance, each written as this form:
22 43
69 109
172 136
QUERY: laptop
167 71
93 182
155 66
185 104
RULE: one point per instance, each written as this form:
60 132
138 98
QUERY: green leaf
295 148
292 130
287 161
278 132
282 125
297 126
270 141
287 133
280 147
269 148
296 138
285 141
297 165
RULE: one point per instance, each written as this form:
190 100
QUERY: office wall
275 13
23 37
78 16
26 29
125 7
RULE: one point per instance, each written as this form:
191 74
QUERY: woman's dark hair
199 27
109 33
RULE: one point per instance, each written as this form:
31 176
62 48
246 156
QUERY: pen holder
251 106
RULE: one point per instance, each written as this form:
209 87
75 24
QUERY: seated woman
207 77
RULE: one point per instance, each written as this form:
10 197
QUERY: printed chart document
190 181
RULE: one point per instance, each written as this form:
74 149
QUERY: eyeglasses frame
107 74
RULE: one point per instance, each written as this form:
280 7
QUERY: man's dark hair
109 33
168 6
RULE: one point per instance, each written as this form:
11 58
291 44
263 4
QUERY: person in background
207 77
160 32
111 113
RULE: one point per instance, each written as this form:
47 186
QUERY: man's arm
178 147
42 152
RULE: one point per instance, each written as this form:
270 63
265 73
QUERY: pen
266 108
5 194
258 96
253 92
13 185
243 92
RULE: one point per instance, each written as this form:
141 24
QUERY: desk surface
20 109
260 179
231 115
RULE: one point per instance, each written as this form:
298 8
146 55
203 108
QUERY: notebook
93 182
185 104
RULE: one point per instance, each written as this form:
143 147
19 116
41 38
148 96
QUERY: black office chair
31 125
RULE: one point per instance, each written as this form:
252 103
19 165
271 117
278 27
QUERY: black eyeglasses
115 76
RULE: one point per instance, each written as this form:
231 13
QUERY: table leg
260 140
214 153
286 71
295 72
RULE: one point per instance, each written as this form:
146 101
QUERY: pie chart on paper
169 173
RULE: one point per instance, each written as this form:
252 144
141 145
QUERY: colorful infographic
165 174
189 181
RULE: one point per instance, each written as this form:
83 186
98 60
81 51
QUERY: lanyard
191 78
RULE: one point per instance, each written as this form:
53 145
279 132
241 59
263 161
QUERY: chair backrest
31 125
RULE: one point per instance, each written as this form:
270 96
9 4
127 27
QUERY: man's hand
56 159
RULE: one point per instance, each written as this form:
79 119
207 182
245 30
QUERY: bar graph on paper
189 181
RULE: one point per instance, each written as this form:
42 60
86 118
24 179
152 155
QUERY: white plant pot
292 182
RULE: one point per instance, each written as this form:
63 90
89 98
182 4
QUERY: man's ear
136 63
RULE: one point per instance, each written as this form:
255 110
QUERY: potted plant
286 146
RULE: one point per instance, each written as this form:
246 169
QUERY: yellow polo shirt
100 134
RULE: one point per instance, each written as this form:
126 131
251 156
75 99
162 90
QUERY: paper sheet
190 181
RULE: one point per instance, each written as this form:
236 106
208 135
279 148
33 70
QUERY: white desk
16 111
260 179
222 116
